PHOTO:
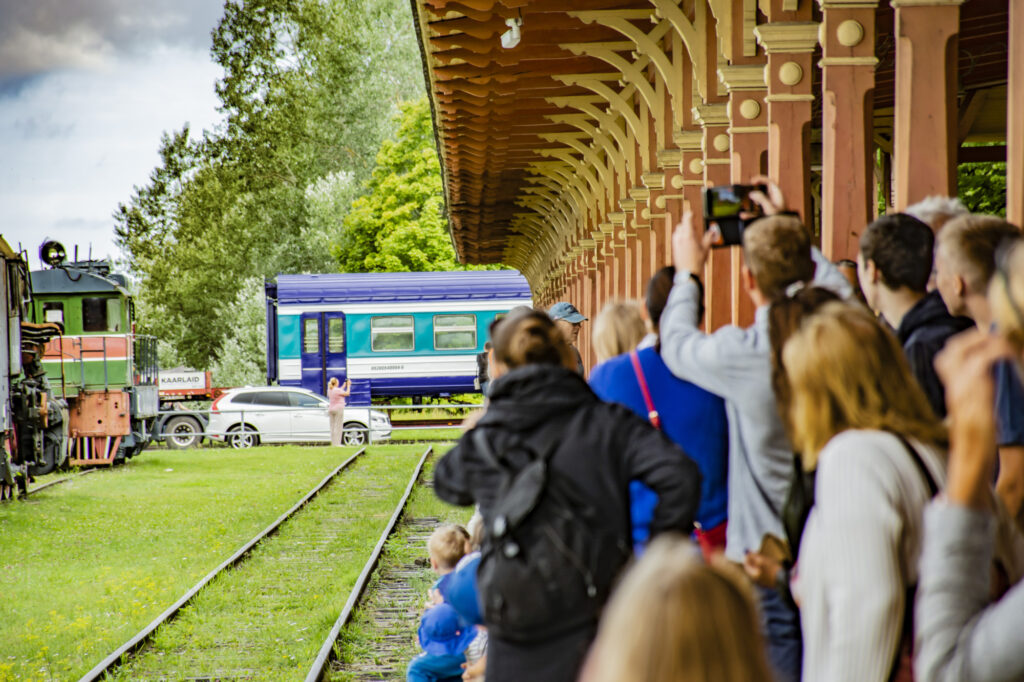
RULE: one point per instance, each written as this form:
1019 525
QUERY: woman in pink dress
336 408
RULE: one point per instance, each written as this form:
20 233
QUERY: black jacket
601 447
923 332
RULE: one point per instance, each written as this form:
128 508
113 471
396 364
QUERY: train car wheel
245 436
181 433
354 434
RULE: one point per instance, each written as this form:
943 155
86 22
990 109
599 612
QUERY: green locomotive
105 372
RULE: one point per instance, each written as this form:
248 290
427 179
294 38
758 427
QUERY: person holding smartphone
735 364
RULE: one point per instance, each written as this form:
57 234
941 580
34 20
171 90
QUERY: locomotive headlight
52 253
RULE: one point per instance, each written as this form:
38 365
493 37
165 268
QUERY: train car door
323 350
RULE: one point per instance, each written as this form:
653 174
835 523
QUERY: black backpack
546 564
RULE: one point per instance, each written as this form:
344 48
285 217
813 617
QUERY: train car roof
74 281
399 286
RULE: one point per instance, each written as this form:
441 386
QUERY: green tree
399 225
307 93
243 355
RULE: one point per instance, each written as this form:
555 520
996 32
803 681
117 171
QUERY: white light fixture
511 37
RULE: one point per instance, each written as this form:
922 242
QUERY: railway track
122 655
235 651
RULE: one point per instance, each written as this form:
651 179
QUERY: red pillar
1015 118
925 130
848 82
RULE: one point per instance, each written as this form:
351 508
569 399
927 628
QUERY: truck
179 427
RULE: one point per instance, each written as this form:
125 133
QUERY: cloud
41 36
73 143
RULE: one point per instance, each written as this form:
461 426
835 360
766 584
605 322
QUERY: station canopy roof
495 109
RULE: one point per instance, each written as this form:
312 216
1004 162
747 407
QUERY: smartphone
731 209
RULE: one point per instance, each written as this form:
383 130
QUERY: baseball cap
563 310
442 634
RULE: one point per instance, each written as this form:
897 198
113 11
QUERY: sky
87 87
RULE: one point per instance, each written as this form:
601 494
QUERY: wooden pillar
748 135
848 82
718 279
789 39
1015 118
925 139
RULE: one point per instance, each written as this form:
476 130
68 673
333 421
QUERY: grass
266 618
358 639
86 564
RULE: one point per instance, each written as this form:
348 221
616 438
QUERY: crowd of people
835 492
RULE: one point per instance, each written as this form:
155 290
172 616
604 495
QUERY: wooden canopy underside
514 123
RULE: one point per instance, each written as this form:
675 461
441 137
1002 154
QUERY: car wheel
354 434
243 437
181 433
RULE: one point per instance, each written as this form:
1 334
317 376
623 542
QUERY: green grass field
88 563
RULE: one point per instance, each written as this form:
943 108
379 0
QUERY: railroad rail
327 649
50 484
120 655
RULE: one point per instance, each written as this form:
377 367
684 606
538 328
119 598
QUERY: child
442 635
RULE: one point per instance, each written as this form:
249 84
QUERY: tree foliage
306 95
242 359
399 225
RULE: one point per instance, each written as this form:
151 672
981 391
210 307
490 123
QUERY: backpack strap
929 480
902 664
652 413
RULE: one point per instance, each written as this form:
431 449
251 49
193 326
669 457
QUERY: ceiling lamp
511 37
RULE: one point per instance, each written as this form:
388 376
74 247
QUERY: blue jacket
690 416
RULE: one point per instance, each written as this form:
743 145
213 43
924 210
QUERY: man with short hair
735 364
965 260
893 267
569 320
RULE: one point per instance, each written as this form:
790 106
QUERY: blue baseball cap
563 310
441 632
459 590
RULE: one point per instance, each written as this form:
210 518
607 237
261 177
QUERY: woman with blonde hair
549 465
857 414
618 329
675 618
336 407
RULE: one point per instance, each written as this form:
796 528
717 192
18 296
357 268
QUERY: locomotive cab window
101 315
454 332
391 333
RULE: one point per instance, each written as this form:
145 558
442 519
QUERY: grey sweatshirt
735 364
959 635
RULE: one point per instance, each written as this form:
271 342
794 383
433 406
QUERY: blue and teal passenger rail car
392 334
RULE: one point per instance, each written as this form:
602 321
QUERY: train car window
94 314
310 335
454 332
303 400
53 311
273 398
335 335
391 333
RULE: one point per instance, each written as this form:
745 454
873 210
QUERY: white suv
245 417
